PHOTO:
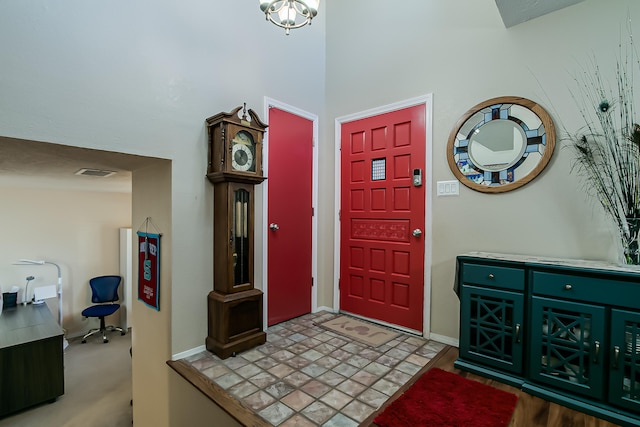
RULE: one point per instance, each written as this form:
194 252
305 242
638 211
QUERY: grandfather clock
234 168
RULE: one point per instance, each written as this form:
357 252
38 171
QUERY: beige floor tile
306 376
297 400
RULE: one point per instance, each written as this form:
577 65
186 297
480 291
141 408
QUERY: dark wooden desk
31 358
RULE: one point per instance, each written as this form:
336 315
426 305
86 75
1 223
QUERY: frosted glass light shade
289 14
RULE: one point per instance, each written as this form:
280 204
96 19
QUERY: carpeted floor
97 388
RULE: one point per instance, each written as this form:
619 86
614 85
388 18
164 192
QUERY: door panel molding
270 102
427 101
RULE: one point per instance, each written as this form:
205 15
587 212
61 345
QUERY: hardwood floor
530 411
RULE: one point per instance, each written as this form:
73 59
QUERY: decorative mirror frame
540 139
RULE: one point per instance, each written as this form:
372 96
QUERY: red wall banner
149 269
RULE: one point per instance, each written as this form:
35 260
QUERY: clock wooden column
235 167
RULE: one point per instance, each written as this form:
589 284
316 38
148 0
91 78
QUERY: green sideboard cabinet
565 330
492 308
624 380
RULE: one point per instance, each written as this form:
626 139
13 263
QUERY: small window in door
378 169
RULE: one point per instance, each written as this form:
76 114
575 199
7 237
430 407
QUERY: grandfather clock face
243 152
235 147
241 242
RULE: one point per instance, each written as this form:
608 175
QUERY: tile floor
305 375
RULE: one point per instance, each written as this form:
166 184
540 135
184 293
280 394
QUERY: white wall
140 78
78 230
459 51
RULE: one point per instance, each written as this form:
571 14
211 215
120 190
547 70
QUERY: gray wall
460 52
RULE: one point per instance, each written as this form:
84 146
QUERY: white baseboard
188 353
444 339
323 308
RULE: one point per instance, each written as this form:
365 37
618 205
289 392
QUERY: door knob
273 226
417 232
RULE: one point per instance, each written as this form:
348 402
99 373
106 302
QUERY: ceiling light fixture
289 14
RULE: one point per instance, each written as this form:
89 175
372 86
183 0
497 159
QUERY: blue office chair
104 290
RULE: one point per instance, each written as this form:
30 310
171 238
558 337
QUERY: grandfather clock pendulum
234 168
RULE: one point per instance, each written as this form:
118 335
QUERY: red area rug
441 398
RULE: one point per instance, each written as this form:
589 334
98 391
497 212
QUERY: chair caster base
103 330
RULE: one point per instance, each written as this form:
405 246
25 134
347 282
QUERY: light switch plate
448 188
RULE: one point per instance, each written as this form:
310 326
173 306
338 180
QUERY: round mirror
501 144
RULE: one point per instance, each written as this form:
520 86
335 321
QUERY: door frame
427 101
270 102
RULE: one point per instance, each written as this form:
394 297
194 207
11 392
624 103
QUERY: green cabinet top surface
633 273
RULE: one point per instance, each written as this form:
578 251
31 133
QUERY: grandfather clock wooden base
235 322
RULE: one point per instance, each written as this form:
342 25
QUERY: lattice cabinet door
567 345
491 327
624 380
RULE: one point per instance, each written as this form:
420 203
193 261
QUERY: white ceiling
27 163
515 12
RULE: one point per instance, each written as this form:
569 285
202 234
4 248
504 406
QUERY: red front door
289 216
382 216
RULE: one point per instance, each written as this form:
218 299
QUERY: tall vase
630 242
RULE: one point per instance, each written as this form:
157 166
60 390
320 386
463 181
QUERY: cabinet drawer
586 288
494 276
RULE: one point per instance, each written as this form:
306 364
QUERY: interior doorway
35 164
290 221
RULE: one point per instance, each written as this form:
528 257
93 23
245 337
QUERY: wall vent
95 172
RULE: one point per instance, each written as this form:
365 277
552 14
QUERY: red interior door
381 258
289 216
